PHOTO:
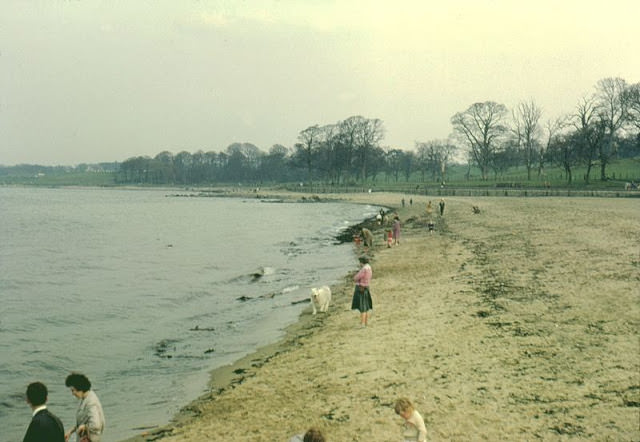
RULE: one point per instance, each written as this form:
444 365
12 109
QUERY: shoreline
518 322
231 375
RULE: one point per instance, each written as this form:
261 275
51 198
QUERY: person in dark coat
45 426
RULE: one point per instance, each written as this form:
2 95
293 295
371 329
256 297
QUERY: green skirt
361 299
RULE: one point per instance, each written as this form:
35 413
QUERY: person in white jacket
89 416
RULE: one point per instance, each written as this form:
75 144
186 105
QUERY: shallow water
142 291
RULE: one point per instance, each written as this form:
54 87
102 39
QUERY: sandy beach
517 323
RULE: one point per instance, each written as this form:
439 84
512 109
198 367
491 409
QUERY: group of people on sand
414 427
441 205
392 236
362 297
47 427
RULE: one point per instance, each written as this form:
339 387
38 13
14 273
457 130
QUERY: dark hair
363 260
78 381
37 393
313 435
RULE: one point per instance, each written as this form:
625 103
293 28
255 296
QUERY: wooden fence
470 191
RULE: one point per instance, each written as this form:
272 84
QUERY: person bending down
414 429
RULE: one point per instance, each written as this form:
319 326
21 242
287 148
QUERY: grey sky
92 81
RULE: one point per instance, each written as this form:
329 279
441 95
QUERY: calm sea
112 283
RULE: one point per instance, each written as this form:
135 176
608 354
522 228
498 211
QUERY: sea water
146 292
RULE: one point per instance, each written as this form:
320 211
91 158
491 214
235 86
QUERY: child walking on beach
414 429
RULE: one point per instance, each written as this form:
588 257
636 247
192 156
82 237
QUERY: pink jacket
363 277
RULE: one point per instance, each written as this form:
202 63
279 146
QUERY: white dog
321 297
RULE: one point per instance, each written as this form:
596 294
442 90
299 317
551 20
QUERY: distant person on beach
396 230
441 206
429 209
411 201
402 202
414 428
89 415
361 295
368 237
45 426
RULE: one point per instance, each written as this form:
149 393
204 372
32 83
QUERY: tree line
487 135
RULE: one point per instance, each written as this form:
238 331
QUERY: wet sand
518 323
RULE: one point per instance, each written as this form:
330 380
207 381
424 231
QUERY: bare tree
526 118
613 111
165 165
370 133
198 167
482 128
506 157
215 163
632 98
377 162
273 166
309 141
329 153
394 159
553 128
182 164
562 151
589 132
348 133
434 156
422 159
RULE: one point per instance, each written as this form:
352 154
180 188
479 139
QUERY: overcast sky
93 81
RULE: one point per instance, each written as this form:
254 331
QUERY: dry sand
518 323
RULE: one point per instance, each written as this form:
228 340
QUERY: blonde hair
403 404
